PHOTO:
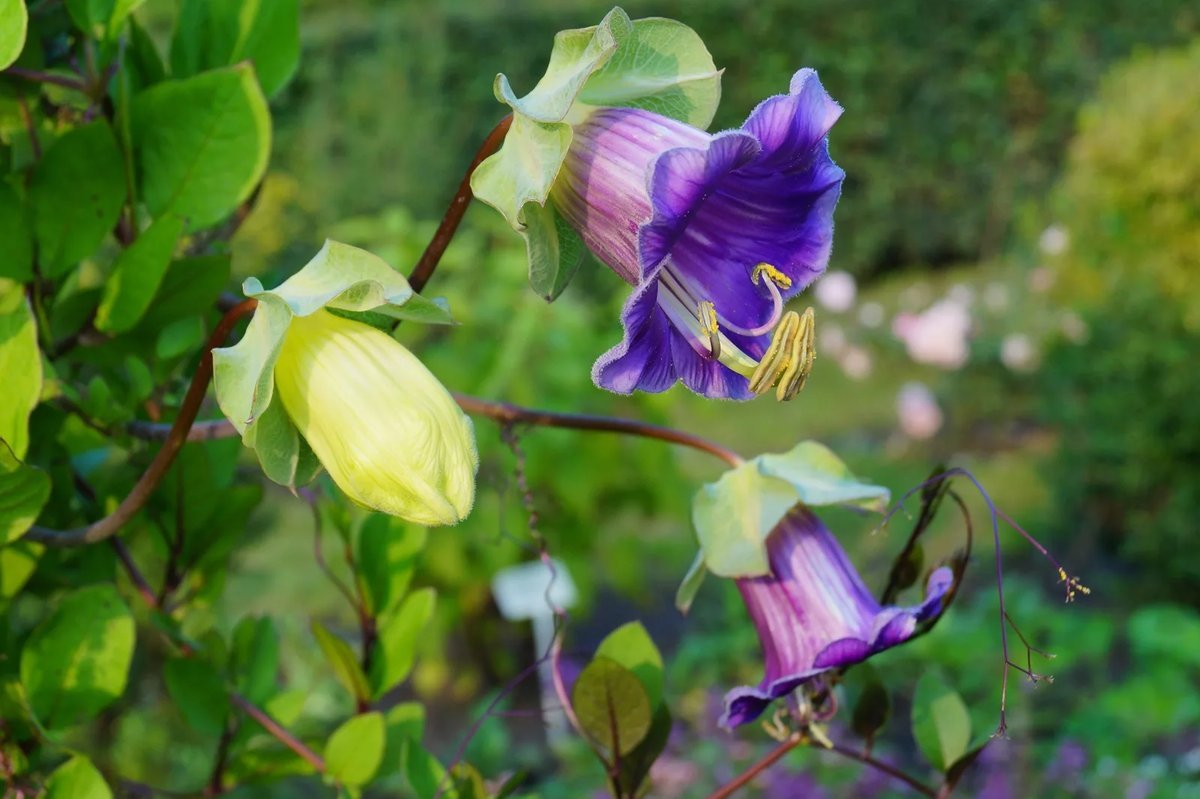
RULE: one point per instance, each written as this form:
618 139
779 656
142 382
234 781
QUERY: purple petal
642 361
789 126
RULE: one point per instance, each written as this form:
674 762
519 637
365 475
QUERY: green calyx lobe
656 64
734 515
340 278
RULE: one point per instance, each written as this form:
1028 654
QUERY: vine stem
795 740
176 438
277 731
886 768
454 212
515 414
503 412
38 76
743 779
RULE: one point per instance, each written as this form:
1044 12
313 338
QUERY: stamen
773 275
789 358
774 279
708 321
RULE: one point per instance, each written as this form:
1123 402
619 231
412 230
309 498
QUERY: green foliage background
959 118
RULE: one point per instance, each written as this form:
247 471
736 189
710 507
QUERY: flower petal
642 361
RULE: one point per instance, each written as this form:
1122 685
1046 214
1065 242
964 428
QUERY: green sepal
339 277
656 64
734 515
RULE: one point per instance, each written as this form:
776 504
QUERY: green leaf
137 274
405 726
734 515
254 660
143 58
635 766
199 692
686 593
14 20
631 646
17 564
612 706
468 782
398 635
344 663
554 249
24 490
940 721
76 194
872 704
217 33
179 338
16 240
189 288
101 19
76 662
426 776
77 779
202 143
354 751
386 554
21 366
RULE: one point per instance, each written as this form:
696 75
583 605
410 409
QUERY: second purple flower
715 233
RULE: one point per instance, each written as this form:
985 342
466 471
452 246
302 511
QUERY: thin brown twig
208 430
148 482
277 731
38 76
135 574
885 768
503 412
743 779
507 413
454 212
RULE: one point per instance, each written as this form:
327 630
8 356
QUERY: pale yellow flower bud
389 434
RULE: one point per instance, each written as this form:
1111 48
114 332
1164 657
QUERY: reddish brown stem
145 486
37 76
885 768
454 212
515 414
505 413
277 731
743 779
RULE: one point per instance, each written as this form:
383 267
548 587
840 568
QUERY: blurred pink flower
937 336
1018 352
831 339
856 363
836 291
918 410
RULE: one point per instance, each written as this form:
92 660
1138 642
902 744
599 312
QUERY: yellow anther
1074 586
708 321
789 358
708 318
772 274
